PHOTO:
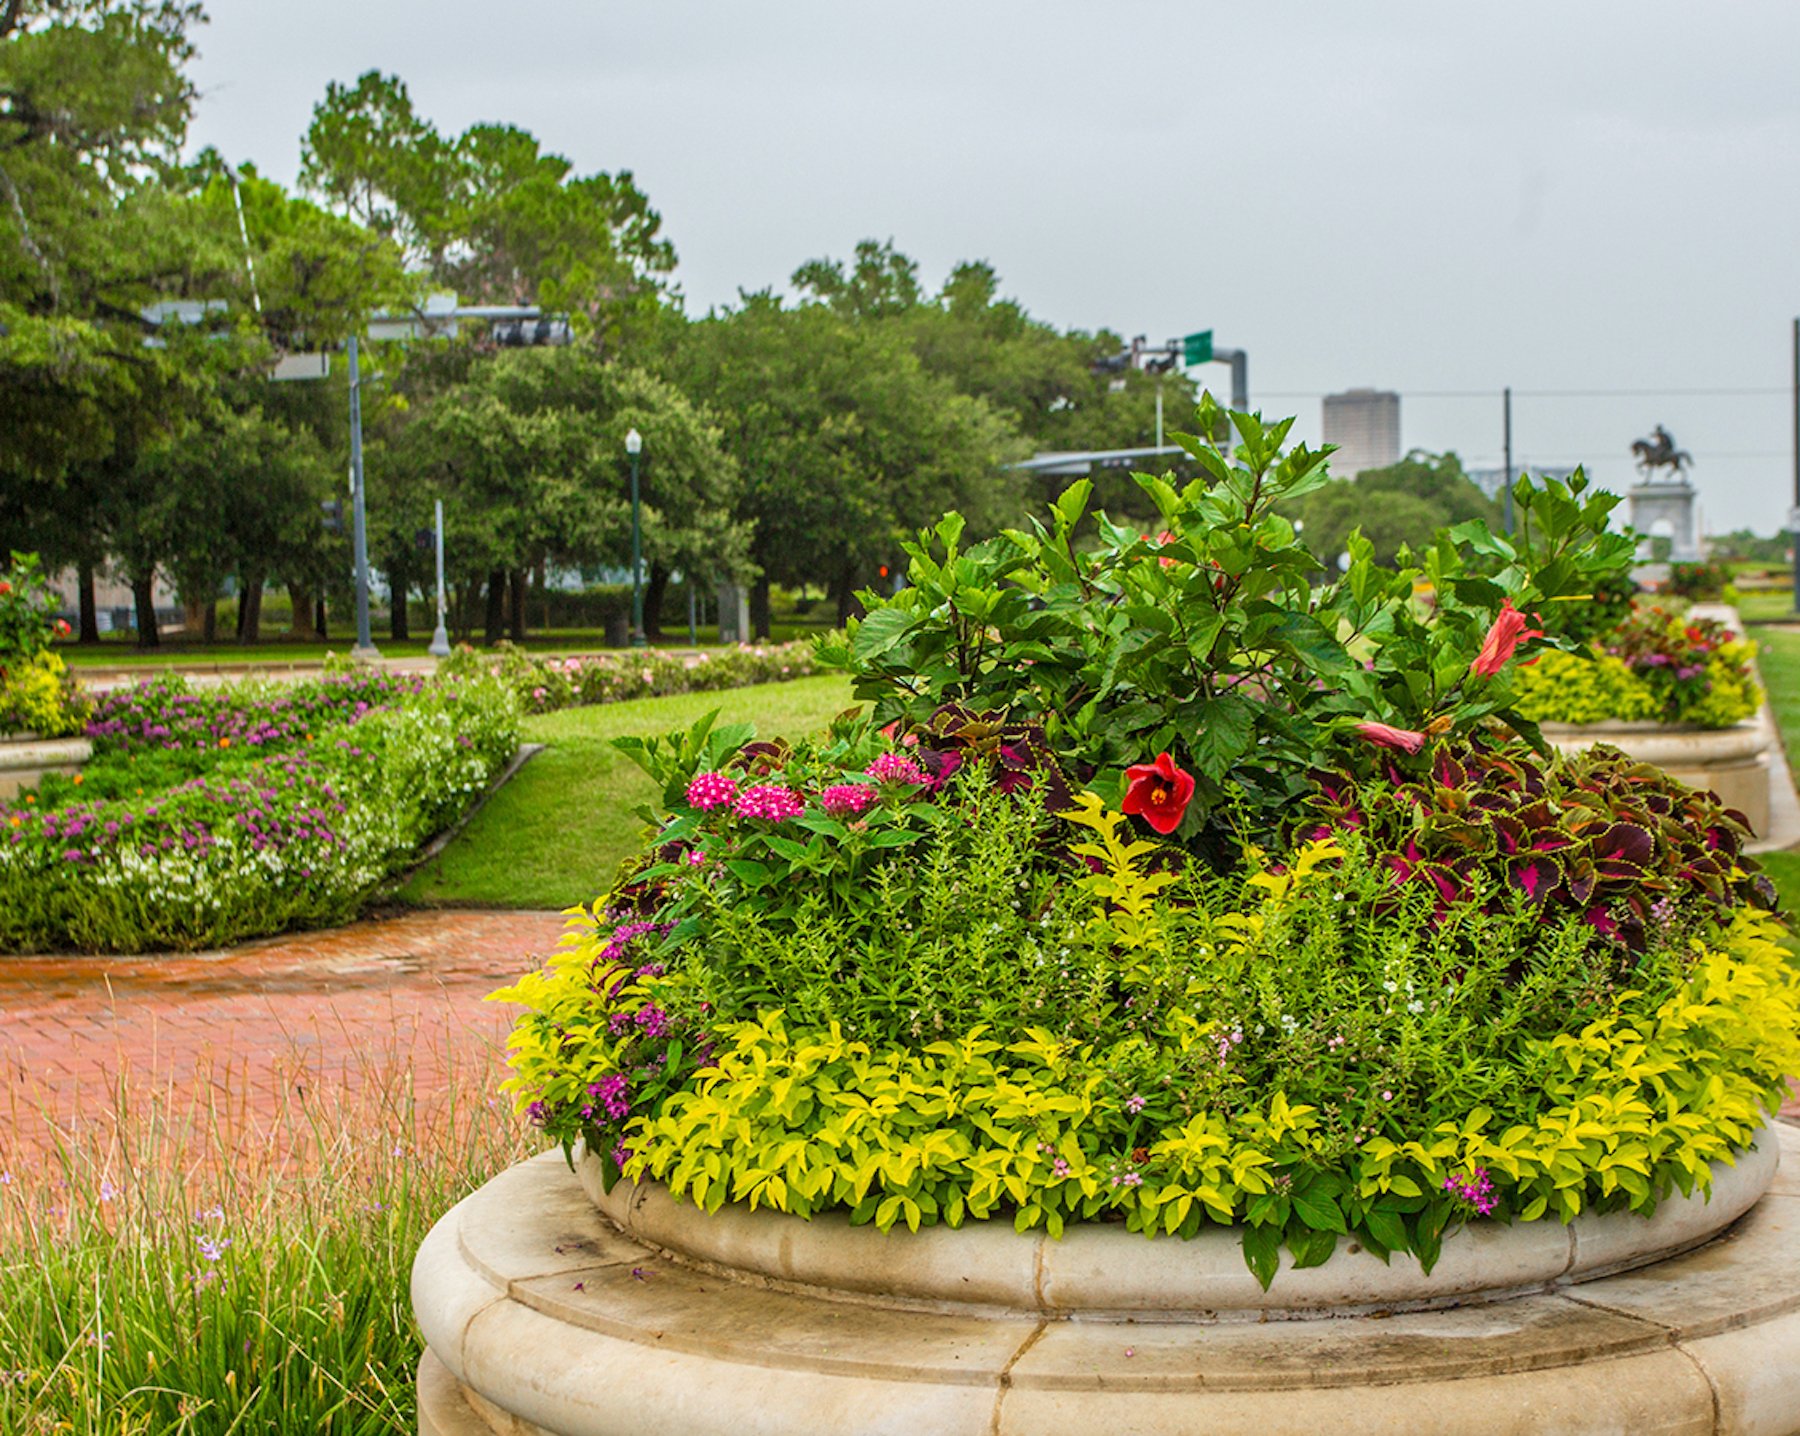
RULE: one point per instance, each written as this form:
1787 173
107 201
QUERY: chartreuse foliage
1633 1104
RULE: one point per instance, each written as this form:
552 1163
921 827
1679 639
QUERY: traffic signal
333 515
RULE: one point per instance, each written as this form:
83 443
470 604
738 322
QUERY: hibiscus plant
1220 640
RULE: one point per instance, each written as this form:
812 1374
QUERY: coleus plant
1214 640
1596 835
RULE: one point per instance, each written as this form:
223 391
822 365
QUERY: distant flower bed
210 817
546 683
37 693
1656 666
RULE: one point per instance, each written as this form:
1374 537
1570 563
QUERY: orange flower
1508 632
1158 792
16 820
76 780
224 742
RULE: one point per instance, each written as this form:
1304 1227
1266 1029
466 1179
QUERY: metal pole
1159 389
1794 518
637 563
1240 381
365 646
1506 497
440 639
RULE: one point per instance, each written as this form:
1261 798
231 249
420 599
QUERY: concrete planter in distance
550 1310
25 758
1730 762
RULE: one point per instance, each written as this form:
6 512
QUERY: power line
1547 393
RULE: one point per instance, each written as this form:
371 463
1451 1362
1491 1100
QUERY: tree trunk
250 596
515 617
321 620
496 605
193 617
848 605
301 625
143 598
654 592
399 586
759 608
84 602
209 619
541 581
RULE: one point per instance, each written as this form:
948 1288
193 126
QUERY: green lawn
555 835
1778 660
1766 605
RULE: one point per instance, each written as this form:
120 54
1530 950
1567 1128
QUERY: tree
527 449
489 214
1402 504
847 443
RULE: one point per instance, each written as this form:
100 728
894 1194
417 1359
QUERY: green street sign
1197 348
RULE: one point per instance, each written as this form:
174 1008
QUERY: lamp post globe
634 445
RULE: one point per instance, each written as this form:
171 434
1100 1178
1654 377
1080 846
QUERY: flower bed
1174 892
210 817
37 693
1656 666
546 683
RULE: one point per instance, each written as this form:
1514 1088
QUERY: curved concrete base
541 1316
1732 763
25 760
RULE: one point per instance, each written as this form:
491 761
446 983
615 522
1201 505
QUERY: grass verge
204 1259
554 835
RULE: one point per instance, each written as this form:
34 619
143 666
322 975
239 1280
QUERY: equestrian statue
1659 452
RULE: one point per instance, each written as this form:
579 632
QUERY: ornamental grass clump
1178 891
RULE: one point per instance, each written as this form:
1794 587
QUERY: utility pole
1506 497
365 649
1794 516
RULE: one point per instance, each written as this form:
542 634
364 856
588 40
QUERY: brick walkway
318 1007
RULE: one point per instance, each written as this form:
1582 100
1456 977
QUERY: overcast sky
1555 196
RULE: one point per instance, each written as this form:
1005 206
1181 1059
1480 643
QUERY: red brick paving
317 1006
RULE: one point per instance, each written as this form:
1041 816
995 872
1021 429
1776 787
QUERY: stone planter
1731 762
548 1308
25 758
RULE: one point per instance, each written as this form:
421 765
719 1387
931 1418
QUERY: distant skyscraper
1365 425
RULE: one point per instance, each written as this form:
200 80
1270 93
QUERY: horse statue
1659 452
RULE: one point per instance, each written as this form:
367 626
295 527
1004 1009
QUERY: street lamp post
365 650
634 445
440 639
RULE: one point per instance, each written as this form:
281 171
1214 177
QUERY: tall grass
214 1256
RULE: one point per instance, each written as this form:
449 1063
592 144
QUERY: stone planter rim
1099 1269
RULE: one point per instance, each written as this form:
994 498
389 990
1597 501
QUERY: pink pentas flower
895 768
769 801
1509 630
1382 736
848 800
711 790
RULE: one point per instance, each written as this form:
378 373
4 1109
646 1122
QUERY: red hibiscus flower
1158 793
1508 632
1382 736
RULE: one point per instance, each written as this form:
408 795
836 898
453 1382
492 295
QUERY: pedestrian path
310 1008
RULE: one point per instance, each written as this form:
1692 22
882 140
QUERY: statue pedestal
1666 510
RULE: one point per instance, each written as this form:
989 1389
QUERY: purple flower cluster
163 713
277 804
613 1095
769 801
1476 1192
